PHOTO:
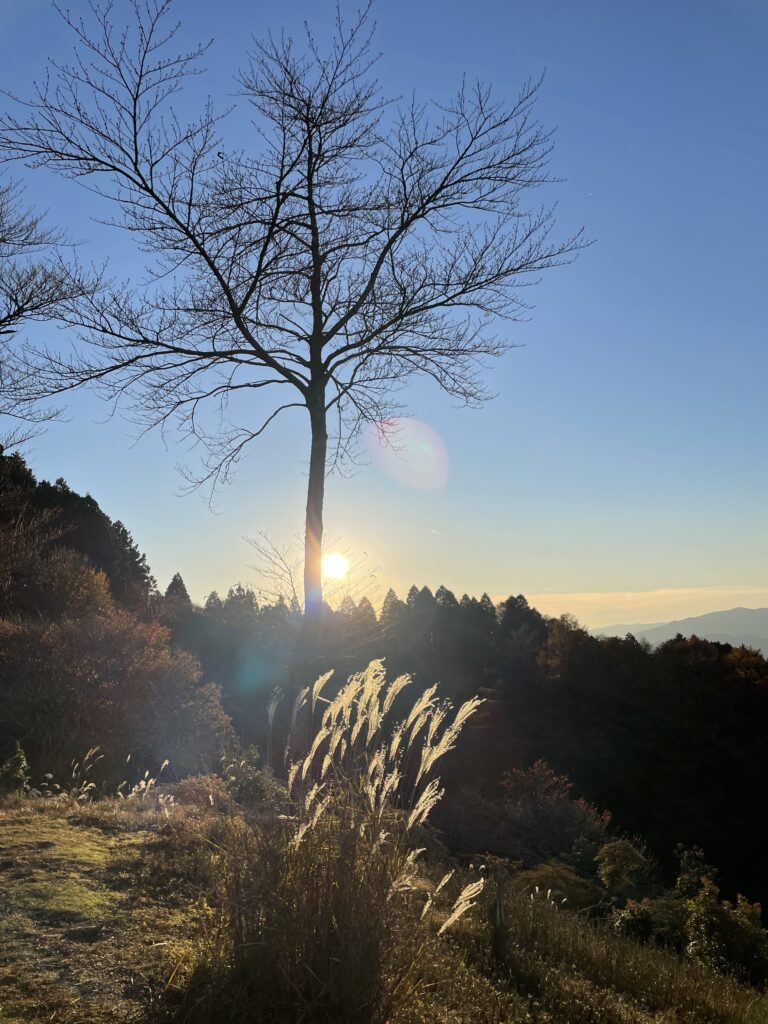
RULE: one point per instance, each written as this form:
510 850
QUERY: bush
534 818
660 921
692 919
619 865
14 773
562 881
251 784
39 580
202 792
106 680
727 936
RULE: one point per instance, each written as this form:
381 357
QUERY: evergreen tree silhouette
177 591
446 598
347 607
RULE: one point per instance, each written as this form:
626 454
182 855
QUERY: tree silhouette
357 243
34 281
177 591
76 521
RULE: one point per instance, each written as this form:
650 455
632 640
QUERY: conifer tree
445 598
177 591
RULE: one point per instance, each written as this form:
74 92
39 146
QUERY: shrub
727 936
107 680
619 863
660 921
253 785
39 580
563 881
14 773
202 792
693 920
533 819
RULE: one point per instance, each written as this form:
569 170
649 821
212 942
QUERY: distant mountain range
736 626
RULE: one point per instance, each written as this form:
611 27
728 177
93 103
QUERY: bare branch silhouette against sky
354 243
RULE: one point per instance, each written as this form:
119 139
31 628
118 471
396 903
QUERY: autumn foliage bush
78 671
106 680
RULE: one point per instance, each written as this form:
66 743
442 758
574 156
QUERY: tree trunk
313 536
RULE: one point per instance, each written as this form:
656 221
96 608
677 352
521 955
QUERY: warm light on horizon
335 566
648 607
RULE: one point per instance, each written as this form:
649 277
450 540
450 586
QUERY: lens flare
412 453
335 566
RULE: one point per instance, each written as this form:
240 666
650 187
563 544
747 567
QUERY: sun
335 566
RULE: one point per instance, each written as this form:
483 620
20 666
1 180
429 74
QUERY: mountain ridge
735 626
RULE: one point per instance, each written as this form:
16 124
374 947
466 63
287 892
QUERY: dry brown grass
322 920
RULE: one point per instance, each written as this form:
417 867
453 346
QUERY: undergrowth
243 898
327 913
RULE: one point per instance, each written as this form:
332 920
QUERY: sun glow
335 566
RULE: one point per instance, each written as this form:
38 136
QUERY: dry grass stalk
323 914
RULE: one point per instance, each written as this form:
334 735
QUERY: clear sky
622 472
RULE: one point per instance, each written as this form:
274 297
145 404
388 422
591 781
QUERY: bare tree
34 282
355 242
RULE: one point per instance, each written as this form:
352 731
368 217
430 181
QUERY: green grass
50 870
79 942
61 898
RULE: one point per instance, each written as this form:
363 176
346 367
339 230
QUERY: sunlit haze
335 566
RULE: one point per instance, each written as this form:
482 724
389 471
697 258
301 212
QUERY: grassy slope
78 940
99 906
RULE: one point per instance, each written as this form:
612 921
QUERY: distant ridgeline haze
737 626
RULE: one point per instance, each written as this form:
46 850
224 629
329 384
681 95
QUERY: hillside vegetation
111 913
200 823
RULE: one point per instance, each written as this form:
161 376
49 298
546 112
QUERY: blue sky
621 472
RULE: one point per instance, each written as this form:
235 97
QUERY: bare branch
35 284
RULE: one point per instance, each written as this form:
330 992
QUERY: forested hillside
671 740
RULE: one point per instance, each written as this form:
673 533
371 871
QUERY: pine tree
446 598
241 607
391 617
392 607
366 616
489 608
347 606
177 591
